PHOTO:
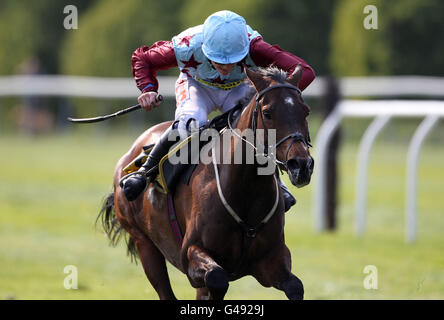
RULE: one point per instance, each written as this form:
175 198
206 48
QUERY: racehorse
232 219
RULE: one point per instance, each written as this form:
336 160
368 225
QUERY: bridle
295 136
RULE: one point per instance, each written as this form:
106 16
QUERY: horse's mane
279 75
274 73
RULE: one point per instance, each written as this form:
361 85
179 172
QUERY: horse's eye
267 114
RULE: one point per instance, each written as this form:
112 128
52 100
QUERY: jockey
211 58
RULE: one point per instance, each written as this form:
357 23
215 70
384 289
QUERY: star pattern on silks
192 63
185 40
186 71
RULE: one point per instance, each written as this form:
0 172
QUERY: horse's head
279 106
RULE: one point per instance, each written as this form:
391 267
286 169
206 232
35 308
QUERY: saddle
171 174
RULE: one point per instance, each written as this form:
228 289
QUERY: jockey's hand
148 100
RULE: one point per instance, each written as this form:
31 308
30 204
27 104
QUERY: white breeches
196 100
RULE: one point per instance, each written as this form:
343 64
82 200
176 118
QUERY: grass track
51 190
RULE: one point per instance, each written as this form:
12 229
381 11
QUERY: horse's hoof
216 281
133 187
293 288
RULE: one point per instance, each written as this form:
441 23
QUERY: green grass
51 189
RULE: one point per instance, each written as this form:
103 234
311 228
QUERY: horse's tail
112 227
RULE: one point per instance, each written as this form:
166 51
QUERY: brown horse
218 246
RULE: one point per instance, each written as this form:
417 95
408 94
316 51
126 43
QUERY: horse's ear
256 79
296 76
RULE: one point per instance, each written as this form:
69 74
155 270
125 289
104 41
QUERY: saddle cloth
169 174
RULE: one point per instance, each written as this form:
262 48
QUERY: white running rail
383 111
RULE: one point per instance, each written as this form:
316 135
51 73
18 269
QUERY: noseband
295 136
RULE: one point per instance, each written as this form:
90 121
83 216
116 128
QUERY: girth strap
173 220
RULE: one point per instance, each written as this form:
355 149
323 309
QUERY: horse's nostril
293 164
310 163
300 163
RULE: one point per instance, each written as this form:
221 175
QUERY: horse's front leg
203 271
275 270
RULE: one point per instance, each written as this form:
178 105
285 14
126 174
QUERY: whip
109 116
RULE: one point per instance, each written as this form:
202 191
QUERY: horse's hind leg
153 263
281 277
203 271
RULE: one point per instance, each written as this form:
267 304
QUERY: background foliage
328 34
406 42
111 30
33 29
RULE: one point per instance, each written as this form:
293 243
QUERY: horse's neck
241 184
244 173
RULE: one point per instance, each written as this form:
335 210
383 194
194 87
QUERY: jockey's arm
146 61
265 54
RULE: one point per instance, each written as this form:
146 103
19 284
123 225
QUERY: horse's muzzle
300 170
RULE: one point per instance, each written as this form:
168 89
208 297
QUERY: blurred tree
196 11
32 30
356 50
15 24
415 35
407 40
111 30
301 27
107 36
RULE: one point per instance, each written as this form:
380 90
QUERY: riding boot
289 200
135 184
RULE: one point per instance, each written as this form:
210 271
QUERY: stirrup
148 175
122 180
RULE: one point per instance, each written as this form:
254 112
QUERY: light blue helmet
225 37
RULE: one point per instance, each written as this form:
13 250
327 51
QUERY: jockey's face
223 69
